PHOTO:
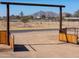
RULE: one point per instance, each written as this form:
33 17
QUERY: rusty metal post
60 19
8 31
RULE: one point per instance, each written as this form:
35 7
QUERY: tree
31 17
76 14
68 15
25 19
43 16
21 14
0 17
18 17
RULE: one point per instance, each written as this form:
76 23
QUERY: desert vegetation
40 20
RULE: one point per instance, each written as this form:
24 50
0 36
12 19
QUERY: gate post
8 18
60 30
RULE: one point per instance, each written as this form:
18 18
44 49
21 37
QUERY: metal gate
3 37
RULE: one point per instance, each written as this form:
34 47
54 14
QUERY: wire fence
71 26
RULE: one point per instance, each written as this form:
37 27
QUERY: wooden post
8 31
60 19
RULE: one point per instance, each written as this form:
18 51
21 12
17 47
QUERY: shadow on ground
19 48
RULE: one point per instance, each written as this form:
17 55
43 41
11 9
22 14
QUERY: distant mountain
47 14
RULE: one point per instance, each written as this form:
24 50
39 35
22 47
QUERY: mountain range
45 13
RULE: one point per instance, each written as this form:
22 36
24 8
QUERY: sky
71 6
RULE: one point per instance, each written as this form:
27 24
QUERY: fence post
8 31
60 19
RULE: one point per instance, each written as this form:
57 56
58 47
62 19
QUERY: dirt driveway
42 44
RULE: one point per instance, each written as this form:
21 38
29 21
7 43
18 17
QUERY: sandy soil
39 25
42 44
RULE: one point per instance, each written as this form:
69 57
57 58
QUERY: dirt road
42 44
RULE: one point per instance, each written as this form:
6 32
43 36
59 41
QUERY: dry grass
39 25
